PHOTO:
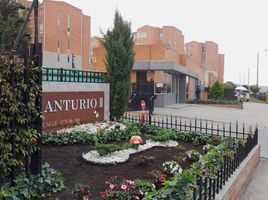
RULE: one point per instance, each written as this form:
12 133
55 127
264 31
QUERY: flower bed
217 103
162 163
214 102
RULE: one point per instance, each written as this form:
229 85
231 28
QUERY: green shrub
164 135
149 129
215 140
217 91
104 149
213 101
35 186
130 146
193 155
143 187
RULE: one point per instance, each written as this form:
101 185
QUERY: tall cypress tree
118 43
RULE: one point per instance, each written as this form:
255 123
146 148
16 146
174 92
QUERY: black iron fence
70 75
207 187
236 130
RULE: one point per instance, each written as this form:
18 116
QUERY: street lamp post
258 57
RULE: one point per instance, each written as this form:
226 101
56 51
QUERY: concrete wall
239 180
83 87
165 100
51 60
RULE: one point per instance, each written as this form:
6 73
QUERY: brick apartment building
65 33
174 67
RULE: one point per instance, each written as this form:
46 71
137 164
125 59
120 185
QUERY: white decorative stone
93 127
123 155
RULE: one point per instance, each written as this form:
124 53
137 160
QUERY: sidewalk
257 188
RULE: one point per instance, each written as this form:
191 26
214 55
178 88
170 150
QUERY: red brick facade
63 31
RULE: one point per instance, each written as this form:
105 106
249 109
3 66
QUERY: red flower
162 179
103 194
82 190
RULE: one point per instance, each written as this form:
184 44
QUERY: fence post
190 125
223 129
236 129
256 135
243 131
206 126
195 123
230 129
206 186
61 74
200 188
212 128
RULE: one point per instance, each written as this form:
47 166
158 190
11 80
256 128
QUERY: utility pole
248 78
258 55
36 157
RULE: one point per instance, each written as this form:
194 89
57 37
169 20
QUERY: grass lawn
254 100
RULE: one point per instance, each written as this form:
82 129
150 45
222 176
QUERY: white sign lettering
73 104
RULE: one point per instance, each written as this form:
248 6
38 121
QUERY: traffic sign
143 105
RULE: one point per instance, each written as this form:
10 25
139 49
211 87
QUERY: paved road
252 115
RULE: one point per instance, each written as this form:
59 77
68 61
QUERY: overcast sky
240 27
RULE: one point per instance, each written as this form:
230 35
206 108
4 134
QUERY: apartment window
58 19
174 41
164 84
58 56
142 35
161 36
41 28
68 51
69 24
68 58
58 51
163 88
93 44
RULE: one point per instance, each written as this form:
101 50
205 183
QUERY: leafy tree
255 89
229 85
217 91
10 25
118 43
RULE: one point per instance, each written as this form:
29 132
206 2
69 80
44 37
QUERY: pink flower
112 186
162 179
123 187
137 198
103 194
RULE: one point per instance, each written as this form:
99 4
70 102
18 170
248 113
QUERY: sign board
143 104
94 59
61 109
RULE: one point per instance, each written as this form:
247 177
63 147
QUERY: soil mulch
68 159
